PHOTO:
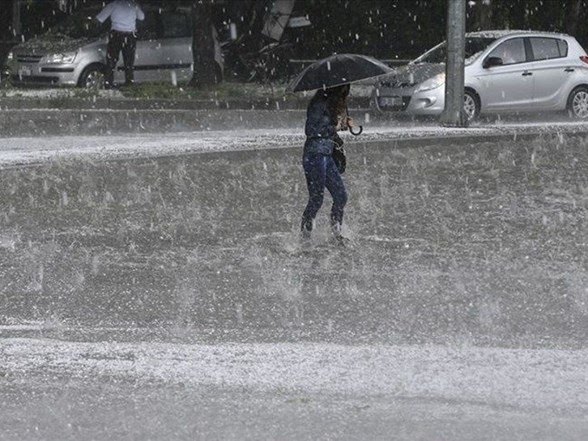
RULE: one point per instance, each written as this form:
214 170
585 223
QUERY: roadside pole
453 115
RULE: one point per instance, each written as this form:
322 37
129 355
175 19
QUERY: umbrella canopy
337 70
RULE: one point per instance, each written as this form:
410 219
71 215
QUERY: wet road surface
170 298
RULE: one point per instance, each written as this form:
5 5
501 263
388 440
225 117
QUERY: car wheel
471 105
92 77
578 103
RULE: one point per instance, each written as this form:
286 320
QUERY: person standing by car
123 17
326 113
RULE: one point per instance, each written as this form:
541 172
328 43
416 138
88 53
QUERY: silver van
73 53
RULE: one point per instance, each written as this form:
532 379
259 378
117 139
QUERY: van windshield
473 49
80 25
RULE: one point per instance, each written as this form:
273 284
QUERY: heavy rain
156 282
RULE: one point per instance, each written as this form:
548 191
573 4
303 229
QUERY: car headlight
65 58
432 83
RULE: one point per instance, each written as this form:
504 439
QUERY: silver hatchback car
74 52
505 71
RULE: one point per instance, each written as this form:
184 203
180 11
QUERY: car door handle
569 69
527 74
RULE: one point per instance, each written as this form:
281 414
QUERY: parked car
505 71
73 53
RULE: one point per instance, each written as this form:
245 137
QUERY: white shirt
123 15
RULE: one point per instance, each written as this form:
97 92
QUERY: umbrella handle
356 133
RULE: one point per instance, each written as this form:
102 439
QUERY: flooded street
170 295
71 390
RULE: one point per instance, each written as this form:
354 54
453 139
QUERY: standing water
161 286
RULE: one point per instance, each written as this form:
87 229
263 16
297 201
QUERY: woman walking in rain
324 159
326 114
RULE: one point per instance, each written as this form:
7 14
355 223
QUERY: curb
48 122
26 152
99 103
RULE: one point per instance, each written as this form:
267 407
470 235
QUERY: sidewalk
55 112
71 112
244 135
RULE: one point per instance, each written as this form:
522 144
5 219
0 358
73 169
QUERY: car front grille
28 58
397 104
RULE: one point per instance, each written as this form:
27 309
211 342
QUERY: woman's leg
315 171
336 186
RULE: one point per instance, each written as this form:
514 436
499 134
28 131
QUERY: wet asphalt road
169 298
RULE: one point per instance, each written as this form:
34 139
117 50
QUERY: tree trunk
5 22
16 26
574 8
206 69
483 15
518 14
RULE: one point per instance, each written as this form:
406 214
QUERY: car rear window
548 48
563 48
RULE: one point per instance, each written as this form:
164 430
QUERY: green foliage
381 28
227 91
406 28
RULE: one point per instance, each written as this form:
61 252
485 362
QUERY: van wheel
92 77
578 103
471 105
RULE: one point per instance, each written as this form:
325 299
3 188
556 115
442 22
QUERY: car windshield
473 48
79 25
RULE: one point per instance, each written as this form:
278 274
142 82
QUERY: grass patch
152 91
222 91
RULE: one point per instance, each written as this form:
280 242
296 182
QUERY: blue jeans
321 172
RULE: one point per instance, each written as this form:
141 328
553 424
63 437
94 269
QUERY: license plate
25 71
392 101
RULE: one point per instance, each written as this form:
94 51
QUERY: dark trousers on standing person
321 172
117 42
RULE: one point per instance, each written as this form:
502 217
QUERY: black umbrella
337 70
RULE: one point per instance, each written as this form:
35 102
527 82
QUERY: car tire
92 77
471 105
578 103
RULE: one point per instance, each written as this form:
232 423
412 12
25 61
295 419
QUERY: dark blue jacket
321 127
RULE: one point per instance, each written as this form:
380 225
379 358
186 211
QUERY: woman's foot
305 229
336 228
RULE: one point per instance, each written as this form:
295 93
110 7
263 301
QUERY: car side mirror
492 61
